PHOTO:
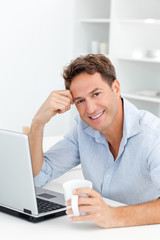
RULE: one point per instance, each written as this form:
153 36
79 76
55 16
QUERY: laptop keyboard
46 206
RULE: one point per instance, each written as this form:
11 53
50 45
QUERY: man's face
96 102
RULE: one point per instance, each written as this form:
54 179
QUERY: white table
60 228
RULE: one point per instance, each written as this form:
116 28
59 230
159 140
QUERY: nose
90 107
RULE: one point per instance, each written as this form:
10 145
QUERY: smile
97 116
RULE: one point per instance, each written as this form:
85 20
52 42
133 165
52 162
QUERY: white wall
36 40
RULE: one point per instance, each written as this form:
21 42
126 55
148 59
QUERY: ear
116 86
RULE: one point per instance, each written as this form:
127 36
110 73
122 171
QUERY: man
117 145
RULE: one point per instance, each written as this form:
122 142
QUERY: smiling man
117 145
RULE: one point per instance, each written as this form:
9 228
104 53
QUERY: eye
97 94
80 101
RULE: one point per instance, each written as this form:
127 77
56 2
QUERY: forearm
36 141
141 214
57 102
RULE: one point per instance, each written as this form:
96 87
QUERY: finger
64 101
58 97
82 209
86 201
82 201
61 93
63 109
63 104
66 93
87 209
88 191
59 108
68 203
69 211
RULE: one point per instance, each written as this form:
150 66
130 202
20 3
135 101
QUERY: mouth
97 116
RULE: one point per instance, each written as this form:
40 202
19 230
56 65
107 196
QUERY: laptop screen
16 176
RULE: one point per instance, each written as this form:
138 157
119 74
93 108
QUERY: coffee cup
69 187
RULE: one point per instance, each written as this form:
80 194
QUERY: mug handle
74 204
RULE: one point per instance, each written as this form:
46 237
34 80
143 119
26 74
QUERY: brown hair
90 64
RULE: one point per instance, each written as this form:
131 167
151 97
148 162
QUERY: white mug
103 48
71 185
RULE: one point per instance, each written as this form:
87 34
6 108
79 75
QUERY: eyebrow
94 90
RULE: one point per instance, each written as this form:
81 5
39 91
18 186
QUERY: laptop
18 195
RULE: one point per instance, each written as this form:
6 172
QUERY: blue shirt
134 177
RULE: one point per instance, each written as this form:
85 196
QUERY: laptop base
31 218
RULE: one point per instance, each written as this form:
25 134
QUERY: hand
98 211
58 102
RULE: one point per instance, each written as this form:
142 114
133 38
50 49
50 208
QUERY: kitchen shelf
141 98
95 20
149 60
143 21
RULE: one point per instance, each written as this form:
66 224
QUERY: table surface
15 228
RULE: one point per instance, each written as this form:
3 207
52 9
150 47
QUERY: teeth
97 116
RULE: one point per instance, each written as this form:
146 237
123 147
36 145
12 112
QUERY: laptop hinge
27 211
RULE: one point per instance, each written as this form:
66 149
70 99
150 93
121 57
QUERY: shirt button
108 176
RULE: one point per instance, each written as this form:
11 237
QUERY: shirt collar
131 125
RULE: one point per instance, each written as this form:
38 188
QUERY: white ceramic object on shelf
94 47
103 48
137 54
154 53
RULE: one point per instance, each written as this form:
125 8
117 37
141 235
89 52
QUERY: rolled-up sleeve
60 158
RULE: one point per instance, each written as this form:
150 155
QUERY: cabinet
137 27
132 32
92 23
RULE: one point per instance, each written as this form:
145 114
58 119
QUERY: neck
115 132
